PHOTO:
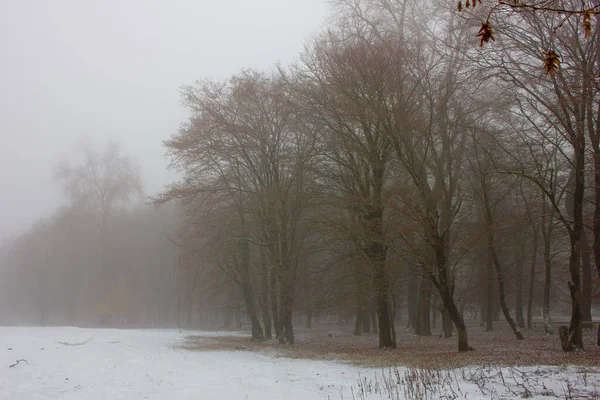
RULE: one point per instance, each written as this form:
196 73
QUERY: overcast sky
112 70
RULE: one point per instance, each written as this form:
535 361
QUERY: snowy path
143 364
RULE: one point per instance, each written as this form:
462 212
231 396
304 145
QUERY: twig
74 343
18 362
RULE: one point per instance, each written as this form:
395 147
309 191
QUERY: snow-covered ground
74 363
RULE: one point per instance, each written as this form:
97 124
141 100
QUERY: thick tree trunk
387 334
309 316
574 339
446 324
595 139
534 252
424 307
248 292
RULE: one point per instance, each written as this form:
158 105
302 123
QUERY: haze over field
112 70
381 182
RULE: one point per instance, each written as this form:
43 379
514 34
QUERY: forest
421 167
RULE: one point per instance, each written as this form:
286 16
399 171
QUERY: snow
76 363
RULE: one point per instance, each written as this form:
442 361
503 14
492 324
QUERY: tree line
396 172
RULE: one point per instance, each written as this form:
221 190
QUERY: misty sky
112 70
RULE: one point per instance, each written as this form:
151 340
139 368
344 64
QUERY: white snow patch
147 364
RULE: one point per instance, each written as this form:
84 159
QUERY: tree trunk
499 273
434 311
547 235
595 139
454 315
309 316
574 336
362 323
412 294
387 336
264 304
424 307
577 234
445 287
489 314
586 278
446 324
286 302
248 292
574 339
373 313
248 289
503 305
275 303
532 277
519 299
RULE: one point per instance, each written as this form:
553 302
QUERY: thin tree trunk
424 307
247 288
489 315
454 315
286 301
586 278
412 294
520 264
547 229
532 277
264 296
445 288
275 302
362 305
434 311
499 273
373 313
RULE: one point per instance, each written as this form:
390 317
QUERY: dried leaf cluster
551 62
551 58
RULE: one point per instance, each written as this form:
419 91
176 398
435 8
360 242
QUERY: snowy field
74 363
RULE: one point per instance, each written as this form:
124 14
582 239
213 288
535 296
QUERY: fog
112 70
275 166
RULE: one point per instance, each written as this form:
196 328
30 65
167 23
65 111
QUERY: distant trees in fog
101 259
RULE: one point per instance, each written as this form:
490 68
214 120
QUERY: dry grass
494 348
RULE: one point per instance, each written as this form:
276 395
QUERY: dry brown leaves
494 348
